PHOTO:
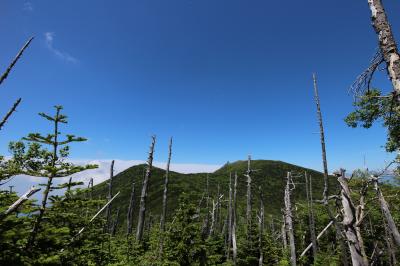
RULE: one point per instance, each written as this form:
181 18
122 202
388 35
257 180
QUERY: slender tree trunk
12 110
326 183
206 227
108 211
311 220
289 221
36 225
350 223
387 43
261 229
115 224
234 245
164 208
248 205
386 212
283 233
143 196
5 74
19 202
129 218
359 218
230 219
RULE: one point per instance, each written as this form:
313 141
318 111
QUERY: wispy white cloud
49 39
28 6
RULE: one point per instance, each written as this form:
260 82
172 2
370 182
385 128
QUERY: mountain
269 175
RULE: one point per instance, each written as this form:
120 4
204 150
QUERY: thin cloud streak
49 39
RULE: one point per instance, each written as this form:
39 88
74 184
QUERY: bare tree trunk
5 74
129 218
387 43
261 229
164 208
206 227
248 206
350 222
386 212
311 220
359 218
90 186
115 224
12 110
19 202
211 232
234 245
283 233
289 221
230 219
325 166
108 211
143 196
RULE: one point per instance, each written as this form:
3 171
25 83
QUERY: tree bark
289 221
283 233
129 218
234 245
261 229
108 211
19 202
387 43
386 212
165 194
12 110
230 218
115 224
248 203
5 74
350 223
143 196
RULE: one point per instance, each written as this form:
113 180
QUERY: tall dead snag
288 218
283 233
129 216
387 43
108 211
143 196
206 222
12 110
90 186
325 166
311 219
164 207
5 74
230 219
115 224
386 212
234 216
350 222
261 229
248 205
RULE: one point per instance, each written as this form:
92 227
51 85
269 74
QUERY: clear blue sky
223 77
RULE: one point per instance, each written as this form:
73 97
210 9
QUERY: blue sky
224 78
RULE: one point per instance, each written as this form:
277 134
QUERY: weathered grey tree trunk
5 74
234 244
387 43
325 167
108 211
129 218
359 219
115 224
206 222
283 233
288 219
165 194
90 186
9 113
261 230
350 222
230 219
311 220
19 202
143 196
248 203
386 212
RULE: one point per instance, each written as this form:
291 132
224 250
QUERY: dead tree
311 219
12 110
283 233
325 167
230 218
143 196
387 44
19 202
206 222
5 74
129 217
261 229
115 224
288 218
248 205
350 222
234 216
108 211
164 207
386 212
90 186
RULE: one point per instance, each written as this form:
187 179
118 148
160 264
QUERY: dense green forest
248 212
